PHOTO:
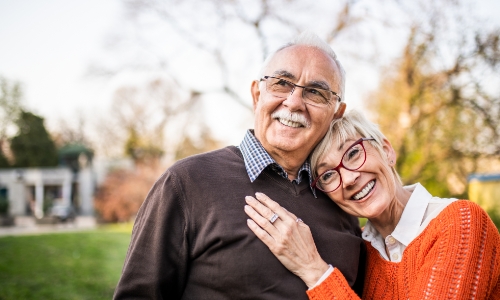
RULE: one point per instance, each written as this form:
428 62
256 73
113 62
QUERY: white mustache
291 116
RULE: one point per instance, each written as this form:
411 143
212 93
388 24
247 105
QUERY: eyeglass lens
352 160
282 88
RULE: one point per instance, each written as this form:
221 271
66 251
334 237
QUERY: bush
4 205
122 193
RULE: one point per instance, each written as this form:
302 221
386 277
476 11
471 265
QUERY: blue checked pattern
257 159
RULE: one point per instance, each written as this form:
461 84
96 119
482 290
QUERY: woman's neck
386 222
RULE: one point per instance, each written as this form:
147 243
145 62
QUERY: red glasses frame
341 165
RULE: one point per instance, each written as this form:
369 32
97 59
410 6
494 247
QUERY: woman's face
368 191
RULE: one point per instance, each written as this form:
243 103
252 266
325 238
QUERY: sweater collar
257 159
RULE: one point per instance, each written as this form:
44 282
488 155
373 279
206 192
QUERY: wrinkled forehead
307 63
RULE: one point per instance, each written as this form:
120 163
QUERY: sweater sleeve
156 263
462 262
333 287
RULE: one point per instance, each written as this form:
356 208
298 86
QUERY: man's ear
255 93
340 111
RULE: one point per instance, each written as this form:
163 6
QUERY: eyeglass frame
341 165
303 88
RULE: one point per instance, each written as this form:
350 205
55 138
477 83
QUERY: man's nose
348 177
294 101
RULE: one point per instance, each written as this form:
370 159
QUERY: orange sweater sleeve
459 260
333 287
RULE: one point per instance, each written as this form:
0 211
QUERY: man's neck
290 163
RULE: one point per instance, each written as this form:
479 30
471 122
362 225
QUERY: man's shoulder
225 156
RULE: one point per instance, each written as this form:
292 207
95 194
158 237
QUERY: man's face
305 66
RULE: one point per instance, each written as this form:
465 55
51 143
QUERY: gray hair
308 38
352 124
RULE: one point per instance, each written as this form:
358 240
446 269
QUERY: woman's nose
348 177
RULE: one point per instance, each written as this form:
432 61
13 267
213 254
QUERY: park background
140 84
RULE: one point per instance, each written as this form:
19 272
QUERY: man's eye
314 91
282 83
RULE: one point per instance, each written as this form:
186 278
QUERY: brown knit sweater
191 239
456 257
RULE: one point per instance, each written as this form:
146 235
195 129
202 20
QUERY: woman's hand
288 238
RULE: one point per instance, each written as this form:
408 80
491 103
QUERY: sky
48 46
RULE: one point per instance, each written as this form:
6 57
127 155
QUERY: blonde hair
352 124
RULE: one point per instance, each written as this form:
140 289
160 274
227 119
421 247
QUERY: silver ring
299 220
274 218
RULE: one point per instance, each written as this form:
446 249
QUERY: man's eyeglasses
312 95
353 159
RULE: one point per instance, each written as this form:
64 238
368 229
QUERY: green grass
81 265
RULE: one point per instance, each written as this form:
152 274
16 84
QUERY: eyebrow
284 73
338 149
315 83
320 165
342 144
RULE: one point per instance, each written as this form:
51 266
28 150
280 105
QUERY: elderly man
191 239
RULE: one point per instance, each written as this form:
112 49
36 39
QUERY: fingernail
259 194
249 199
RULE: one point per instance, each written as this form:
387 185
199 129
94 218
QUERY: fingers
267 207
263 210
262 220
261 233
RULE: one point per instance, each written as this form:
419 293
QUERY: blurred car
63 212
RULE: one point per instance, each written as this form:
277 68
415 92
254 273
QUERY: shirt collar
411 218
257 159
413 214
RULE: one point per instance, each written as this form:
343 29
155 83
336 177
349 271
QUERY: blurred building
34 191
484 189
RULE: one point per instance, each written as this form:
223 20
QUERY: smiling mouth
289 123
365 191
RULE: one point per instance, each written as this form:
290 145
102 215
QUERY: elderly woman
419 246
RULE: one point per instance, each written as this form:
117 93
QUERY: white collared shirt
421 208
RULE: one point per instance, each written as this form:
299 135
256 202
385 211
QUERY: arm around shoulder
156 263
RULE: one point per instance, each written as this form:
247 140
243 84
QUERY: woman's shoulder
462 209
463 216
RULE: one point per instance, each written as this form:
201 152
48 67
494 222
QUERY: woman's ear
389 152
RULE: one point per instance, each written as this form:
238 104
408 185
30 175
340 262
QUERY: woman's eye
353 153
328 176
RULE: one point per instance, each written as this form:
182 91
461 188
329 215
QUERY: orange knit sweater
456 257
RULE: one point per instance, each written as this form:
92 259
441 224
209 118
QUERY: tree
438 103
188 147
33 146
120 196
148 119
10 107
217 29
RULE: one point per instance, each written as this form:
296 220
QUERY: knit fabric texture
455 257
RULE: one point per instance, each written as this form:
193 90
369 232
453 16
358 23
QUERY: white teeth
365 191
290 123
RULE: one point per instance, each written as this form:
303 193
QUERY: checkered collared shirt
257 159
